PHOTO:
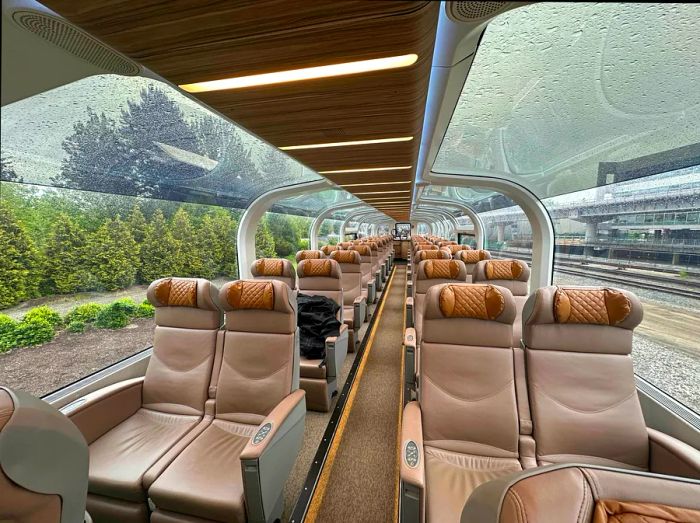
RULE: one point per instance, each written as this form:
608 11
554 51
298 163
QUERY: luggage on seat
236 468
317 320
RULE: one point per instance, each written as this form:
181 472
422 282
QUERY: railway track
622 277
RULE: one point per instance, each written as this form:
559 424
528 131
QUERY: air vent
77 42
473 11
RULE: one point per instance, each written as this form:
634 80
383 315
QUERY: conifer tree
113 255
264 241
18 261
65 257
137 223
188 260
159 250
209 246
226 227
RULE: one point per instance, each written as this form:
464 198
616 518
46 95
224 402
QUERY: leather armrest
667 455
412 458
409 288
336 350
371 292
268 458
100 411
360 311
269 430
409 312
409 361
378 279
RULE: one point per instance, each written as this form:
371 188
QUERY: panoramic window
642 236
567 96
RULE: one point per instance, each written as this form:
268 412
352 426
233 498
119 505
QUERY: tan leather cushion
270 306
327 249
451 477
591 306
318 268
511 274
348 257
481 302
473 256
611 511
206 479
312 368
364 250
183 292
251 295
432 255
309 255
119 459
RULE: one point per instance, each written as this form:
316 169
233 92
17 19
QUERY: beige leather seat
318 378
328 249
43 462
309 255
130 426
464 428
376 265
455 248
584 494
471 258
354 303
369 290
236 467
514 275
583 397
439 254
275 269
346 245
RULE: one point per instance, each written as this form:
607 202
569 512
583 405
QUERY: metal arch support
540 221
428 220
255 211
448 217
354 215
479 226
325 213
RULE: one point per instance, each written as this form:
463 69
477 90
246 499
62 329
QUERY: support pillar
501 232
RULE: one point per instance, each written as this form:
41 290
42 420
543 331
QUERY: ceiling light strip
381 192
346 144
367 170
373 183
306 73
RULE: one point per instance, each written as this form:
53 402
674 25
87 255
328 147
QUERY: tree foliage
18 261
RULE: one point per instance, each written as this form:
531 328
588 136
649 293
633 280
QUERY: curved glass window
312 204
139 137
567 96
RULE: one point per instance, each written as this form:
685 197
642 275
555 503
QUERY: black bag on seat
316 321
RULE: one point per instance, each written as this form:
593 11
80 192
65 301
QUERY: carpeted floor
361 484
315 426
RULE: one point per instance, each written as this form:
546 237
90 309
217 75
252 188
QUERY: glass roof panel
312 204
568 96
139 137
480 200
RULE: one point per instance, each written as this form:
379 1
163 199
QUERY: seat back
309 255
345 245
322 278
583 394
351 274
328 249
188 318
259 366
274 269
467 387
374 250
433 272
454 249
471 257
43 462
365 263
585 495
514 275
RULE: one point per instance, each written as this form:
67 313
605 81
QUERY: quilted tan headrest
456 248
427 247
373 246
362 249
272 267
346 257
591 306
247 294
319 268
473 256
196 293
440 254
442 269
505 270
481 302
309 255
327 249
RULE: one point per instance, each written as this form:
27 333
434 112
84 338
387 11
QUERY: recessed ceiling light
383 204
380 192
345 144
306 73
408 197
370 169
372 183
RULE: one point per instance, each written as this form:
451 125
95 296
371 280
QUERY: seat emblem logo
262 433
411 455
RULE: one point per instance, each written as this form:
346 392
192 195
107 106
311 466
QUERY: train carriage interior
349 261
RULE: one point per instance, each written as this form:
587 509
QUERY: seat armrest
336 350
378 279
667 455
268 458
100 411
371 292
412 468
359 311
409 288
409 361
409 312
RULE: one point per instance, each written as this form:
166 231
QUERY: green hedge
40 324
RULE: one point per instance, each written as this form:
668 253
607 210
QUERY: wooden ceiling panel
188 41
